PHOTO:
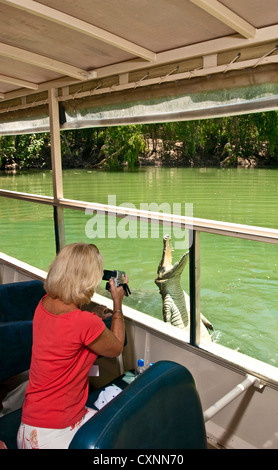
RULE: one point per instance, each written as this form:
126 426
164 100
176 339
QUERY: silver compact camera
118 278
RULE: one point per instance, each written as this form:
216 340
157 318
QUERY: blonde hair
75 273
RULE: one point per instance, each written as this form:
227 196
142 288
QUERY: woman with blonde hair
66 343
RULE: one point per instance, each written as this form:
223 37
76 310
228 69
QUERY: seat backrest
161 409
18 300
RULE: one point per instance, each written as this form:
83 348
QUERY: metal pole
194 288
56 164
229 397
58 217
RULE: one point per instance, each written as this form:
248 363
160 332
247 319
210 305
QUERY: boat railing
248 232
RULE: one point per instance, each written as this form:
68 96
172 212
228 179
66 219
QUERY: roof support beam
227 16
83 27
18 82
56 164
236 43
215 46
42 61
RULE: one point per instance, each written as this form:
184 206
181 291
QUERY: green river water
239 278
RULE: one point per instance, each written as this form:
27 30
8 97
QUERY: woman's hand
117 293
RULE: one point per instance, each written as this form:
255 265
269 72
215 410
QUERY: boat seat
9 425
161 409
18 302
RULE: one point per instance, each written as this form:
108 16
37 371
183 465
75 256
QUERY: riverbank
173 156
174 160
199 162
155 152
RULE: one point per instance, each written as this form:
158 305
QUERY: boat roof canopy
135 61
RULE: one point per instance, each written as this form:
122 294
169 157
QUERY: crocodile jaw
165 269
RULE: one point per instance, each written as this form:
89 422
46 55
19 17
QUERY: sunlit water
239 278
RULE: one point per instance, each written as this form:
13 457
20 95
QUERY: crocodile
176 303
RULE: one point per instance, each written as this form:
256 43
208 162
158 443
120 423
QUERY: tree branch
106 159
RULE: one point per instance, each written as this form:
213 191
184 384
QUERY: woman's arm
110 343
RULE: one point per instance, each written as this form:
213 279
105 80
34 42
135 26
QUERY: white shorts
30 437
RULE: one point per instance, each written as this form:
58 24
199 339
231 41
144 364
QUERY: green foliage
209 140
267 128
122 145
7 149
23 150
184 132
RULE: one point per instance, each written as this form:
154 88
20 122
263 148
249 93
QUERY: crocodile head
166 270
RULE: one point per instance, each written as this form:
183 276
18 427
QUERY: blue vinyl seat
18 302
161 409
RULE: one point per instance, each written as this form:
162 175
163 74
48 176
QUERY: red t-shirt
58 384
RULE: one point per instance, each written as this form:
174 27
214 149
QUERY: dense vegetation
250 140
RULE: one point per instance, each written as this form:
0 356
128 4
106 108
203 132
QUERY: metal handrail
248 232
249 381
